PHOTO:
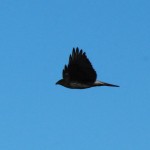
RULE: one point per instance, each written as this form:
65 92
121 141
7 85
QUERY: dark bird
79 74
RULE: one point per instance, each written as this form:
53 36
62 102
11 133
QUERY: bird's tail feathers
99 83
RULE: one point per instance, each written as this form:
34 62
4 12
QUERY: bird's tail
99 83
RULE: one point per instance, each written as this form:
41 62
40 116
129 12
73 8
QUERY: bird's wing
79 68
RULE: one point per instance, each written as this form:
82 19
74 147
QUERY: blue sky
36 38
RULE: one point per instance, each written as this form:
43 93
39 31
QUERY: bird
79 73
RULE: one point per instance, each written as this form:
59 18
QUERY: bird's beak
58 82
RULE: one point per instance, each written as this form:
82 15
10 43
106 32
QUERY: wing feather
79 68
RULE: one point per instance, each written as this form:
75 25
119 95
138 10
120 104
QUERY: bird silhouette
79 73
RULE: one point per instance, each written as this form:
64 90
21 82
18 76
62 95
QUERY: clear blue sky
36 38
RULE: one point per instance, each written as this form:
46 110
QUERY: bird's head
61 82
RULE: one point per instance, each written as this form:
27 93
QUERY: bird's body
79 74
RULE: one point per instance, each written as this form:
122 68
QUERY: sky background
36 38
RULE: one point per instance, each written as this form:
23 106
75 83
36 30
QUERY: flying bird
79 73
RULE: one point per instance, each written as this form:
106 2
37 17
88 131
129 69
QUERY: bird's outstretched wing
79 68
